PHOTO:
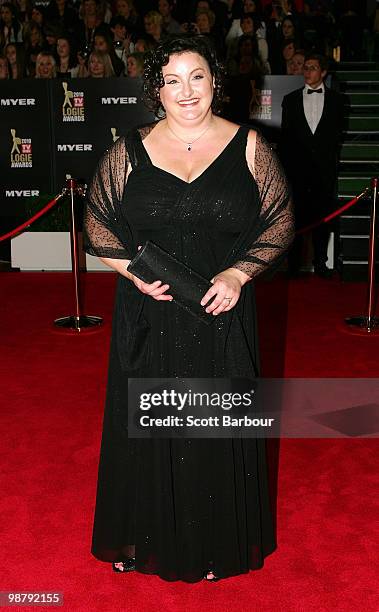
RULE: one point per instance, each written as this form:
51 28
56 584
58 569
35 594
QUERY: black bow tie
314 90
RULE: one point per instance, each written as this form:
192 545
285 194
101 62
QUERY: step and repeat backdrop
52 128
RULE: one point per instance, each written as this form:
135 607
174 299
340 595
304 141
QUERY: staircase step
354 225
368 98
352 184
347 76
353 271
354 247
364 124
349 66
360 151
349 87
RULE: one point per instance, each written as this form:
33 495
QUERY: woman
135 65
103 42
67 65
249 25
90 21
45 66
248 7
170 25
206 21
184 509
288 28
100 65
296 64
15 55
153 23
37 15
125 8
34 44
10 27
63 15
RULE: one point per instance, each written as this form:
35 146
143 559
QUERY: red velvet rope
333 214
27 223
52 203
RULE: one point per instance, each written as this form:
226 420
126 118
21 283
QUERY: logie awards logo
260 106
21 151
73 104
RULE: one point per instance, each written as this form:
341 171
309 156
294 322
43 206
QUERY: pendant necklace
189 144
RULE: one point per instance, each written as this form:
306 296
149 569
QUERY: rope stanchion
368 324
77 322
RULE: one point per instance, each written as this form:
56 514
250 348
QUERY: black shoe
127 565
323 272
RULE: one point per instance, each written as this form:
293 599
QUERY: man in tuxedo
312 124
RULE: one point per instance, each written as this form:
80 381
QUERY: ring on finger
229 299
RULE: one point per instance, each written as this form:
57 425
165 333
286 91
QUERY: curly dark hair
160 56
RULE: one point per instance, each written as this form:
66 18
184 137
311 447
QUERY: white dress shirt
313 106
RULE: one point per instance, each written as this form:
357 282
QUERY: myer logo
119 100
21 152
17 101
73 104
74 147
21 193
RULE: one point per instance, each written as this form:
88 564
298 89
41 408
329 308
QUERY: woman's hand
227 289
155 290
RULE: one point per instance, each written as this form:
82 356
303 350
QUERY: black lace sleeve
103 223
275 228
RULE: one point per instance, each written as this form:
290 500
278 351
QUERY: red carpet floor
53 390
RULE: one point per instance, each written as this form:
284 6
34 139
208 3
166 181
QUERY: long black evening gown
180 506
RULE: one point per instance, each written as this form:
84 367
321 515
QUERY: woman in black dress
212 194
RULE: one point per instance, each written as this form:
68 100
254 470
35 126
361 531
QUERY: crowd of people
105 38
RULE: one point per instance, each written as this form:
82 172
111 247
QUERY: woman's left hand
227 289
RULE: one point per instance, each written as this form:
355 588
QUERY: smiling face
45 67
188 90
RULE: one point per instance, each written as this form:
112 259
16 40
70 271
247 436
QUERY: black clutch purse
187 287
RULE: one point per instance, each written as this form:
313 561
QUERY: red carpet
53 393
